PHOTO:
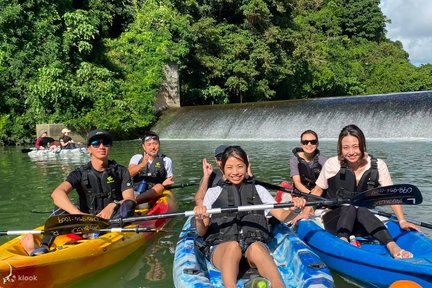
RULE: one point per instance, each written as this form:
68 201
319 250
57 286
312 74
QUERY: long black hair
351 130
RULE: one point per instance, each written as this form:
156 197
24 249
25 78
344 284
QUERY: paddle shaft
393 218
225 210
291 191
180 185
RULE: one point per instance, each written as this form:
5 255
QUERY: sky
411 23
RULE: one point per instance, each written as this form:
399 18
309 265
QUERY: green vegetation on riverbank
100 63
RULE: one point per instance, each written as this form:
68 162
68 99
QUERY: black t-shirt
74 178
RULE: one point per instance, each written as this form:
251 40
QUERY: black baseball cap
220 149
99 134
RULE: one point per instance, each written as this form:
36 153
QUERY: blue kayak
298 265
371 265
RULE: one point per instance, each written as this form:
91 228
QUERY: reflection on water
26 185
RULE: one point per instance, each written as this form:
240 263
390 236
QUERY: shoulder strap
373 179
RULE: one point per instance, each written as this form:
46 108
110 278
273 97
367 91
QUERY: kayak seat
39 251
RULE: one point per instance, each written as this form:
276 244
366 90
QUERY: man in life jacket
151 171
104 187
213 178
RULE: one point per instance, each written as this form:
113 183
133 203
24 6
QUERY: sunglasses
97 143
306 142
151 138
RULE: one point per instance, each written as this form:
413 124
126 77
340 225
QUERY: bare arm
207 170
398 210
61 198
150 194
307 211
286 215
299 185
134 169
202 220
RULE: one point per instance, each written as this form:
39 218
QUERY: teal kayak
298 265
371 265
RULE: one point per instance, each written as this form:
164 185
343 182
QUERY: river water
25 187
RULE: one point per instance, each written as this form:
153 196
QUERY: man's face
99 148
151 147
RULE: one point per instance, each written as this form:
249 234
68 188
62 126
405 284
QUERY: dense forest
90 63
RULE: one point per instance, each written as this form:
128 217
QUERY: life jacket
99 190
153 173
343 184
249 226
308 173
216 179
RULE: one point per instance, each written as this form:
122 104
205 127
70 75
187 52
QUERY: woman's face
351 149
309 143
235 170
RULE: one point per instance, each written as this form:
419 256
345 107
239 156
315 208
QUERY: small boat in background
371 265
298 265
57 152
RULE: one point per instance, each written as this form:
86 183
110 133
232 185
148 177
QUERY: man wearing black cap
103 186
104 189
211 178
150 169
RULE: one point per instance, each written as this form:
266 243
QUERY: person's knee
363 213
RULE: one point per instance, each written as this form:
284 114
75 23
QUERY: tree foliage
100 63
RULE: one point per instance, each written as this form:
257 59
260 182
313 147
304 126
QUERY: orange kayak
73 258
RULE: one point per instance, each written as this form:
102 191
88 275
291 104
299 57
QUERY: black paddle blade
398 194
74 223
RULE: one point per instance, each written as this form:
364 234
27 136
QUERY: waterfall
397 115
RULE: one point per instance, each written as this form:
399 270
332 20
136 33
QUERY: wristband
401 221
117 204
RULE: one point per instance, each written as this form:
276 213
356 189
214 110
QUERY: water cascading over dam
397 115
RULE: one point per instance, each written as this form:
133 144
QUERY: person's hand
305 214
200 212
167 182
299 202
107 211
207 168
407 225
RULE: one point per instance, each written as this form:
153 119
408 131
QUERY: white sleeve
211 195
384 177
168 166
136 159
266 198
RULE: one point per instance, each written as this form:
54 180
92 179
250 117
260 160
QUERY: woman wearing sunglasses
353 171
307 162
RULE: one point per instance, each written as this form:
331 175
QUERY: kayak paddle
82 223
388 195
403 194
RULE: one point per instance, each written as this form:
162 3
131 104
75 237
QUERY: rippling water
26 185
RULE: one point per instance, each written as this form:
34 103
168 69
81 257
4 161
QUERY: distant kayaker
229 237
92 181
38 144
150 168
307 162
65 140
354 170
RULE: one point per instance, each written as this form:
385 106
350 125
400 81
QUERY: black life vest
344 184
308 173
249 226
99 190
216 179
153 173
